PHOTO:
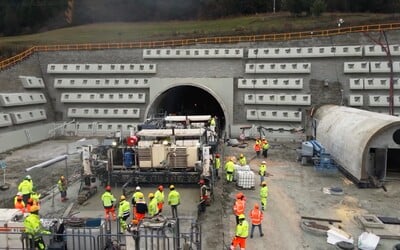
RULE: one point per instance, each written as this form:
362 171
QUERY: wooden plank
320 219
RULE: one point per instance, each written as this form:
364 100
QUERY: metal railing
201 40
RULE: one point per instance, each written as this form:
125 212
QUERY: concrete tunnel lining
161 92
349 133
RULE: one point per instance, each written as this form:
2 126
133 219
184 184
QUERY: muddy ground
294 191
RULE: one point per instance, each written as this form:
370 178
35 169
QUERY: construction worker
34 229
257 148
229 168
256 218
19 202
263 195
242 160
123 212
212 123
108 203
204 195
159 194
140 207
240 206
135 197
262 170
242 231
153 208
265 147
174 200
25 187
217 165
62 187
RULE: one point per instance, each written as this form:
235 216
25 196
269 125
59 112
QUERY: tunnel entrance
187 100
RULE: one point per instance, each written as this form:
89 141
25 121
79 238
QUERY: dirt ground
294 191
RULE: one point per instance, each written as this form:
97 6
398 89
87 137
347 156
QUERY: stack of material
336 235
244 177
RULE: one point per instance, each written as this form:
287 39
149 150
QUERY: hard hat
151 195
108 188
137 188
28 177
122 197
241 155
241 217
239 195
217 155
263 162
141 196
264 183
30 200
62 177
19 194
161 188
34 208
171 187
202 181
232 158
256 206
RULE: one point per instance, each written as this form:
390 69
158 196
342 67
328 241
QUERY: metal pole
274 7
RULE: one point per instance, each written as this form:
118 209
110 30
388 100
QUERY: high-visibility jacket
256 216
257 147
35 197
264 192
62 185
265 145
25 187
108 199
135 197
33 226
124 208
239 207
262 169
174 198
217 163
20 205
242 229
153 208
230 167
212 121
242 161
159 196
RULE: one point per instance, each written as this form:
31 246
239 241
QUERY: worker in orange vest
257 148
19 203
29 205
256 216
240 206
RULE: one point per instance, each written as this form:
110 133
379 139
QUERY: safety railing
201 40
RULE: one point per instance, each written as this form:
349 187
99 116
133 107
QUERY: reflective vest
108 199
153 208
25 187
262 170
257 147
230 167
264 192
20 205
33 226
35 197
159 196
217 163
242 229
62 185
135 197
212 121
242 161
141 206
256 216
265 145
124 208
239 207
173 198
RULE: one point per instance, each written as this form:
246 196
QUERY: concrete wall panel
32 82
100 83
192 53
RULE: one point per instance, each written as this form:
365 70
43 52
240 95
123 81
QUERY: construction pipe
47 163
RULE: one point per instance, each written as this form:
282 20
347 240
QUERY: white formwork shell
355 137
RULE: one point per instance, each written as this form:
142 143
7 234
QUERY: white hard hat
137 188
19 194
263 162
28 177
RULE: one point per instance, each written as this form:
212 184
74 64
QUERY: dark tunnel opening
187 100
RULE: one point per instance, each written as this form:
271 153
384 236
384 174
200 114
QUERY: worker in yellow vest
241 233
229 168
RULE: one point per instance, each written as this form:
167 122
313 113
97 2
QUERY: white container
245 179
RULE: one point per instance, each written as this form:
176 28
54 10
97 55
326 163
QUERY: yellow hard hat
241 217
62 177
34 208
122 197
171 187
151 195
241 155
140 196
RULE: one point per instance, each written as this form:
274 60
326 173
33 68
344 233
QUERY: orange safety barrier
202 40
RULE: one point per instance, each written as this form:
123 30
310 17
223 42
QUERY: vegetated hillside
146 31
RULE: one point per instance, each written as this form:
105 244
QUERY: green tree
318 7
